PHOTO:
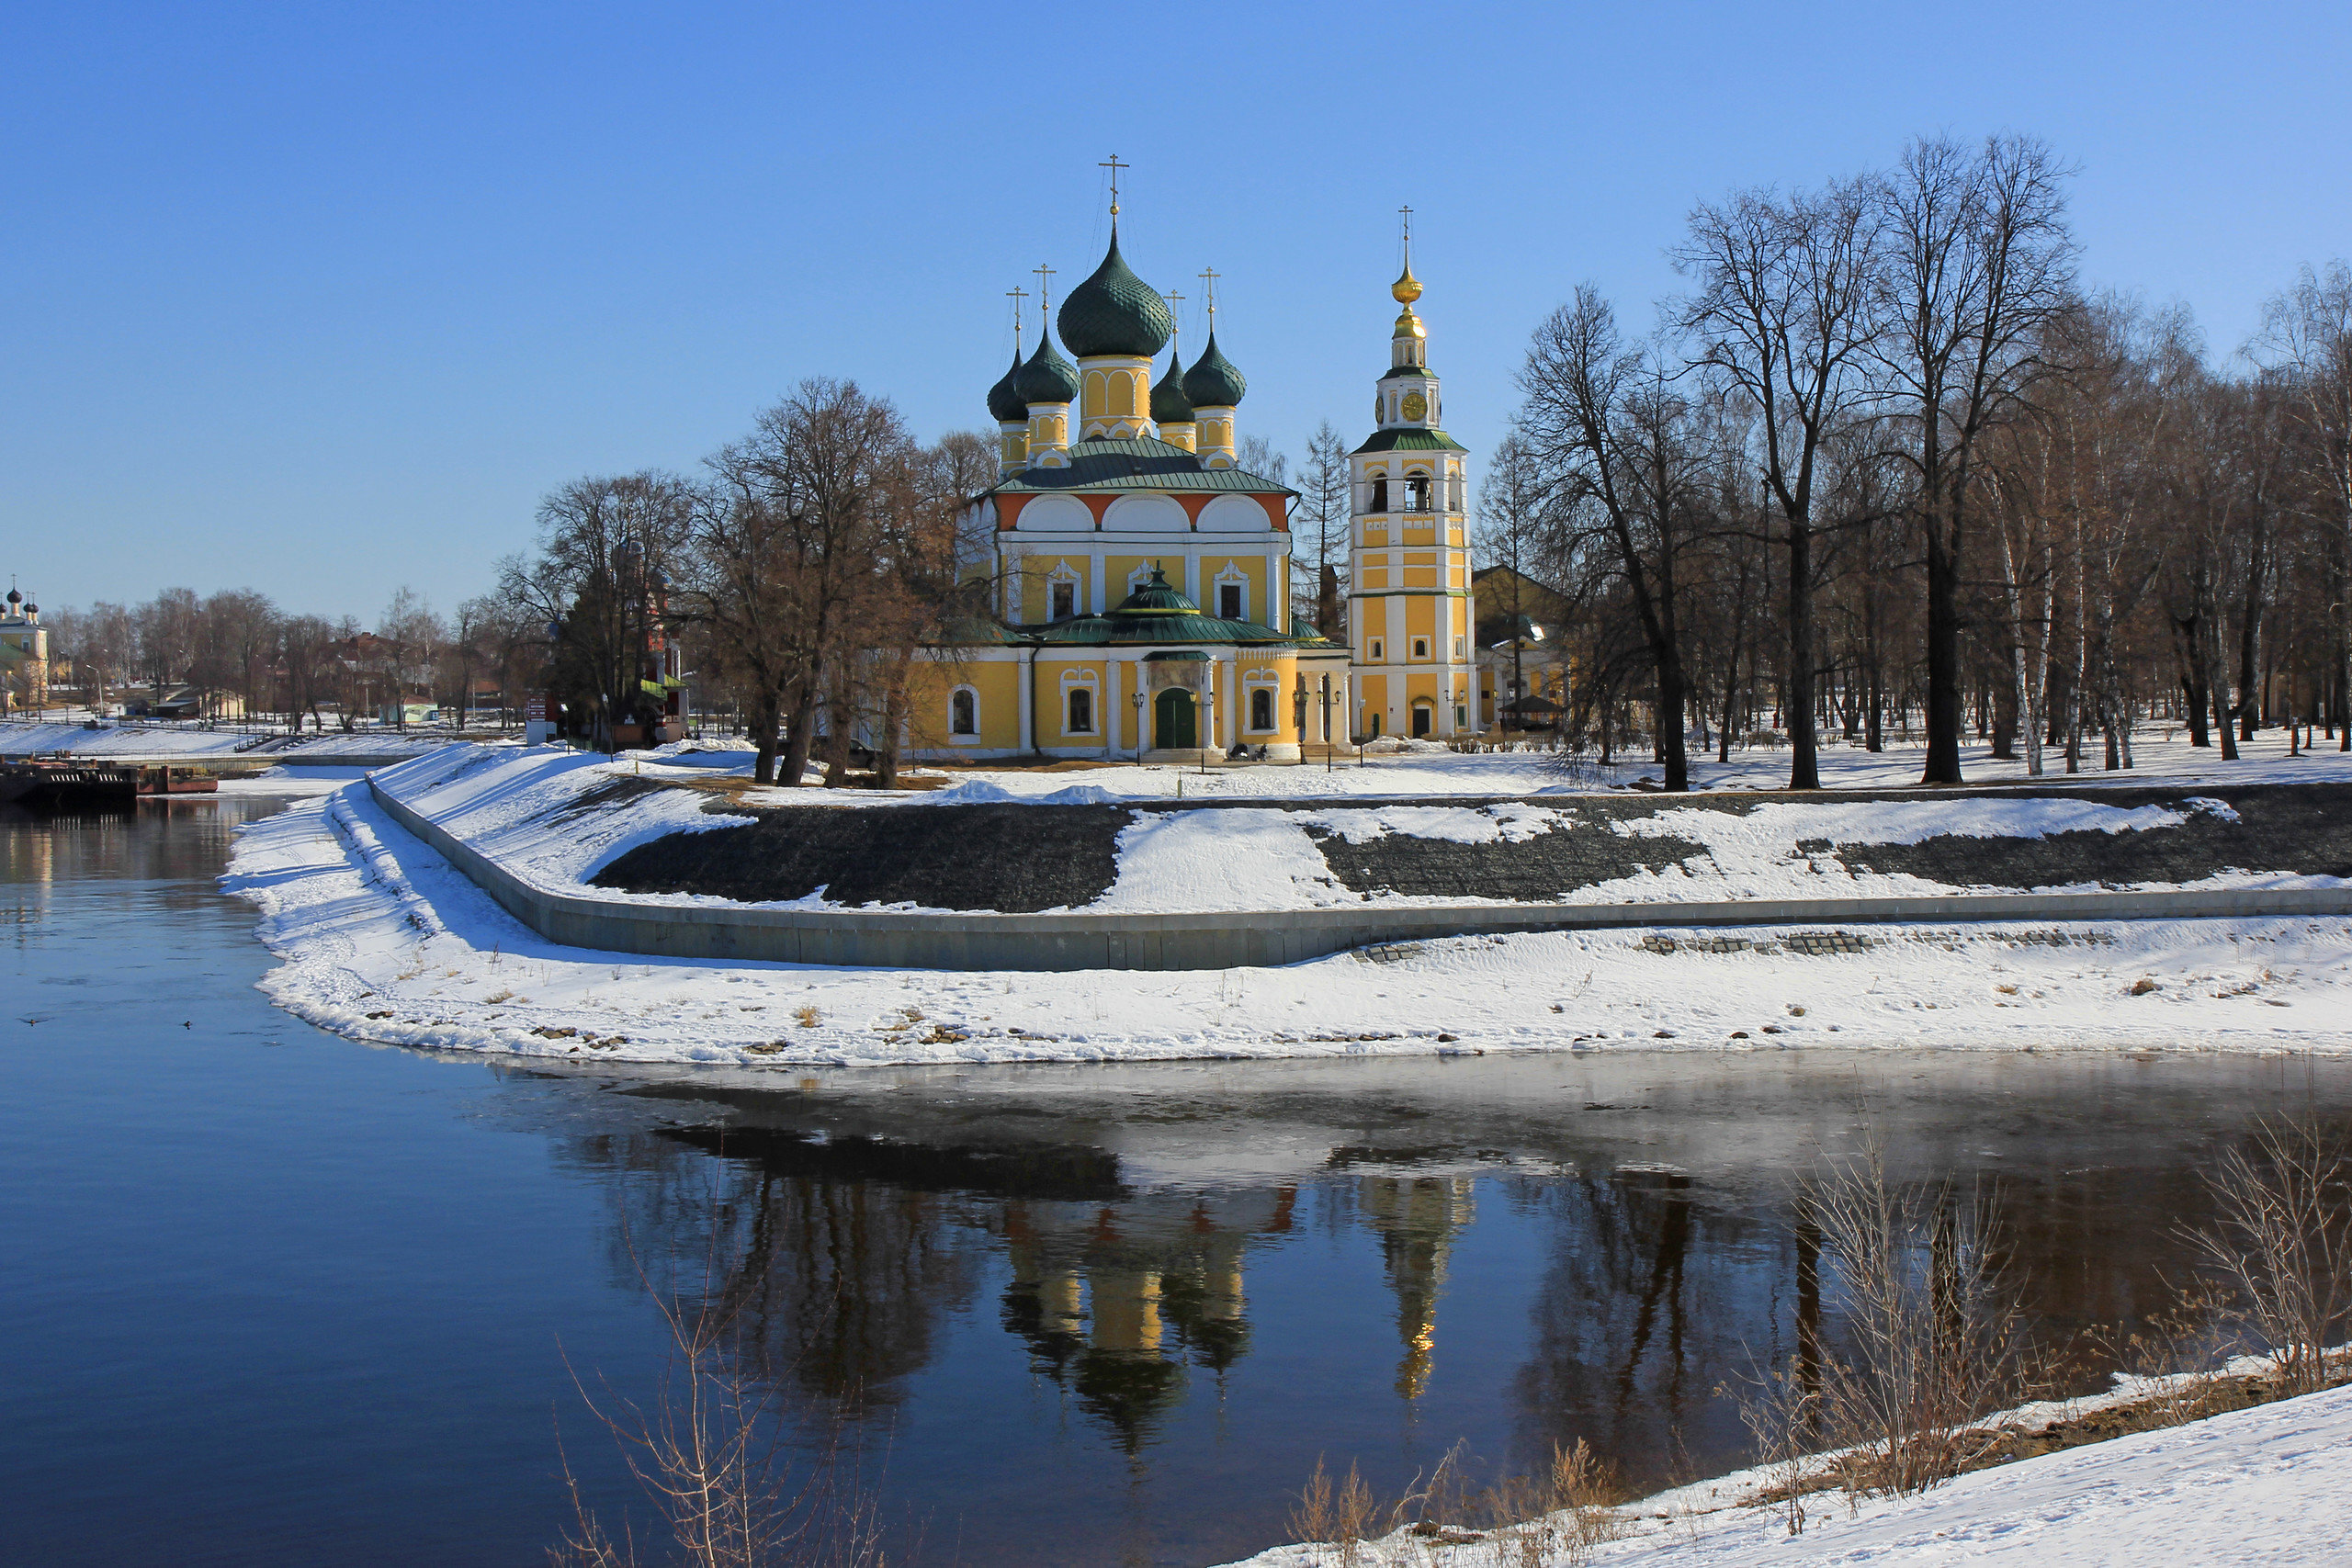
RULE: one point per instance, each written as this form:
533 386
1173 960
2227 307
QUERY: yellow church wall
1038 570
995 683
1252 572
1374 577
1057 679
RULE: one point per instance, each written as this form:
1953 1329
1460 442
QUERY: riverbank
2254 1485
380 939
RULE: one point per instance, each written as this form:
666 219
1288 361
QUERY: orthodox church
1139 578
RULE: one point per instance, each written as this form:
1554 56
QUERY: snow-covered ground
383 941
532 810
2258 1486
132 739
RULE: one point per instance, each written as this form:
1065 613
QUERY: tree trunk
1804 747
1943 705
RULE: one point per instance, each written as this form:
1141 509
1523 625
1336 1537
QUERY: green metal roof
1114 312
1169 403
1004 403
1154 614
1213 382
1416 440
1047 378
1415 371
1138 463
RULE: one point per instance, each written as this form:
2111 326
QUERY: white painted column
1095 587
1112 700
1193 576
1028 681
1277 594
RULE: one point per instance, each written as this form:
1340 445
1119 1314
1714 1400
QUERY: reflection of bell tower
1417 1220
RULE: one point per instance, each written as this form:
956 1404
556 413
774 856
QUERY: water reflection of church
1116 1303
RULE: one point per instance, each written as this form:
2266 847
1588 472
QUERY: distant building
1142 577
24 655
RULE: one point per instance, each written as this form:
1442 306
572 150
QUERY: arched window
1081 711
964 713
1064 601
1262 708
1379 495
1416 494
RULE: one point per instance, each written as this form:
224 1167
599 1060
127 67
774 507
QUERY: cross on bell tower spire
1113 164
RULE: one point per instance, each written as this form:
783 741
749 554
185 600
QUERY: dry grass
1553 1519
1929 1344
2281 1245
732 1479
809 1016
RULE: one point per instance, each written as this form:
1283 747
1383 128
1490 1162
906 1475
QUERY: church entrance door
1422 714
1171 714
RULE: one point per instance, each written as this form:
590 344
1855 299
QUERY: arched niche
1235 515
1055 514
1145 515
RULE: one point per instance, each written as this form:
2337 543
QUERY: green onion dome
1213 382
1115 312
1157 597
1047 378
1006 404
1169 403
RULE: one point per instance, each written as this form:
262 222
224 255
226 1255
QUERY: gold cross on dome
1113 164
1209 277
1016 296
1407 213
1173 301
1045 289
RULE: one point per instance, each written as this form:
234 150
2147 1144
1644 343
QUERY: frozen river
274 1298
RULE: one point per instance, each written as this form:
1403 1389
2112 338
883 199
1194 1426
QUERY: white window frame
1375 655
955 736
1085 681
1063 573
1420 648
1231 577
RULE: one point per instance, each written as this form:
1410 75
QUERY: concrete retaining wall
1232 939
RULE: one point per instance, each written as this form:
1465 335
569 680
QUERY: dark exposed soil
1021 859
2305 830
1533 870
2301 829
1017 859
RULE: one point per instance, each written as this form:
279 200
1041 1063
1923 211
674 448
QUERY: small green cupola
1115 312
1170 407
1006 405
1047 378
1213 382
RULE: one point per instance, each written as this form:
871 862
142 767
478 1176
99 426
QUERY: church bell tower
1410 614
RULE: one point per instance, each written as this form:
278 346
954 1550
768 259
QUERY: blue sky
320 298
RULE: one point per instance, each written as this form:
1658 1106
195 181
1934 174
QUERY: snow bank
117 740
2263 1485
383 941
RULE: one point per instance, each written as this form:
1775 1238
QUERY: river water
276 1298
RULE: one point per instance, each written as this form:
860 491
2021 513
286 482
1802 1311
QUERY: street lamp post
1209 714
1137 698
1298 716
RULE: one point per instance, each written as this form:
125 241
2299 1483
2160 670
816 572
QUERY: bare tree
1321 520
603 543
1610 431
1783 310
2307 338
1977 260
